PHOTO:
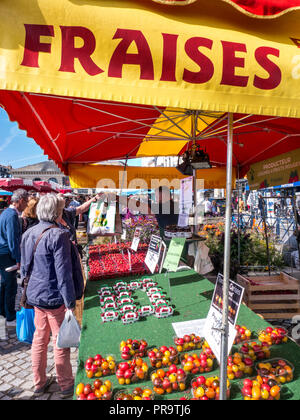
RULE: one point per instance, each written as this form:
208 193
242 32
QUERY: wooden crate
273 297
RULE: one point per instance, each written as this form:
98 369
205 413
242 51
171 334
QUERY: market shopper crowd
38 237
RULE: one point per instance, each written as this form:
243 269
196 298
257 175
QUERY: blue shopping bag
25 325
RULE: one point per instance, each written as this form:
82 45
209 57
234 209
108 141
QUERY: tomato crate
272 297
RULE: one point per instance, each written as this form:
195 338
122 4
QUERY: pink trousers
48 321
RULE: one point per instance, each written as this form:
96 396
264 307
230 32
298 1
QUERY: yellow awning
110 176
206 56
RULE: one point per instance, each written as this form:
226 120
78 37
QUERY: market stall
190 294
148 103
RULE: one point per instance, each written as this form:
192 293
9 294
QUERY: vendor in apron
166 214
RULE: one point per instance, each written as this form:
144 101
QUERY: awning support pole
226 273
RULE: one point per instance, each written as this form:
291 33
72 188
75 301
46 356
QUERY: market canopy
142 178
44 186
92 81
13 184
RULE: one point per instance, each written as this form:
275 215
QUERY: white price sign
136 239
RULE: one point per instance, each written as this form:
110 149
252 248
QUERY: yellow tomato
79 389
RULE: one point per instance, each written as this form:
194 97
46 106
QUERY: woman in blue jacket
50 291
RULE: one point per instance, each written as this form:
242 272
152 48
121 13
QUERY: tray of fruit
98 391
273 335
131 348
136 394
167 381
239 366
242 334
163 357
207 350
259 388
188 342
194 363
257 351
207 388
98 366
132 371
277 369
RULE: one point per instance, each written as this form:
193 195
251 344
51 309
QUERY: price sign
174 254
136 239
213 322
153 253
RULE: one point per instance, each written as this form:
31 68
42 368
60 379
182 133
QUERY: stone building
43 171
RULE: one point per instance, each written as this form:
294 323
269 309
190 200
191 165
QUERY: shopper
207 207
50 291
68 219
10 239
214 208
29 217
261 205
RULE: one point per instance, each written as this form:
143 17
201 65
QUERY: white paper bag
69 332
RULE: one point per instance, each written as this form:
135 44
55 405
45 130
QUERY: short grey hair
48 208
19 195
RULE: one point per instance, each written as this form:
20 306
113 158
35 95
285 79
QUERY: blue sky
17 150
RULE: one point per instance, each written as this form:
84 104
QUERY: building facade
5 171
43 171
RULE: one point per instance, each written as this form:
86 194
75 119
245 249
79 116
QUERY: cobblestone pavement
16 373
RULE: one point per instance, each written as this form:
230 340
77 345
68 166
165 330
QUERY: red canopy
76 131
44 186
12 184
65 190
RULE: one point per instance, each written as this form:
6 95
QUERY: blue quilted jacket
51 282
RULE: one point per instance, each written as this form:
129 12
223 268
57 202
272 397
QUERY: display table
191 294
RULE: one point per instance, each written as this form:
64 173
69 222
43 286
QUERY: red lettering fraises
69 52
168 73
231 62
275 76
121 57
206 71
33 45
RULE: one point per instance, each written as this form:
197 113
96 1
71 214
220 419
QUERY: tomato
256 393
264 394
210 393
199 392
79 389
275 390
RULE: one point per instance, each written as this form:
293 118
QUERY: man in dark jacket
10 239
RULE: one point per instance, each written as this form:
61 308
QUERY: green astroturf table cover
191 294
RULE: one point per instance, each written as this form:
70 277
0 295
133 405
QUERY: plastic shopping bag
25 325
69 332
102 218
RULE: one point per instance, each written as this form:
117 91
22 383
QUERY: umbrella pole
224 329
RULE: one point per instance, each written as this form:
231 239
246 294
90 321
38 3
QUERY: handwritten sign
174 253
